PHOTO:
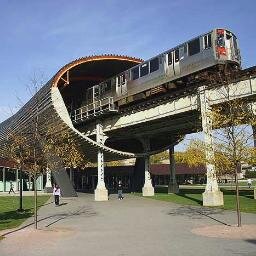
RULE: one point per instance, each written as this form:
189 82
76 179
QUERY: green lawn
194 197
9 217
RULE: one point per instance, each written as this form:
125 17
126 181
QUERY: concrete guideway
133 226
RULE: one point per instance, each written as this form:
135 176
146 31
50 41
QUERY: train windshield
220 40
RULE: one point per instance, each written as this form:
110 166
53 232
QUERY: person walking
249 183
11 188
120 190
56 193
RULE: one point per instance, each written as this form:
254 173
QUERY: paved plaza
133 226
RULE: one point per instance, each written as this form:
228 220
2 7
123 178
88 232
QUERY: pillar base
101 194
254 193
148 191
48 190
173 188
214 198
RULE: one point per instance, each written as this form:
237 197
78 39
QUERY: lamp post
21 190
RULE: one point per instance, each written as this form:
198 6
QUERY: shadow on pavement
82 211
199 213
252 241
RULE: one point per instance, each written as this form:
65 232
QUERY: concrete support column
212 195
148 189
100 193
48 185
173 186
4 179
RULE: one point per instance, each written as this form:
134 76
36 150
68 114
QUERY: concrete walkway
133 226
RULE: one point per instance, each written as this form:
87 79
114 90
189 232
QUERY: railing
92 110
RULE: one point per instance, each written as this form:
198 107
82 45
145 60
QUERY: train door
176 63
121 85
228 44
170 64
231 46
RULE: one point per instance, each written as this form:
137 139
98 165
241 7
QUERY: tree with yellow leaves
233 139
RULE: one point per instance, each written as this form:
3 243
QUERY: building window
144 69
154 65
194 47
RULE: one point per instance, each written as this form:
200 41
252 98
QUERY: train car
216 48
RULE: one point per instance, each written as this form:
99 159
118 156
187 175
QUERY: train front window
194 47
144 69
154 65
135 73
220 40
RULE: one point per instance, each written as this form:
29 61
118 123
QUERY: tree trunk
237 199
35 203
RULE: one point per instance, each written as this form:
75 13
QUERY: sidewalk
133 226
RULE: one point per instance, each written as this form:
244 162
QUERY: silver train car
216 48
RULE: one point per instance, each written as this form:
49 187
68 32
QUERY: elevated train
215 49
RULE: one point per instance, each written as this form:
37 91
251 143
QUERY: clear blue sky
45 35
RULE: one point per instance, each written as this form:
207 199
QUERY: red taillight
221 50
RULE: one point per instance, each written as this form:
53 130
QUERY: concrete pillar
148 189
137 179
173 186
212 195
100 193
48 185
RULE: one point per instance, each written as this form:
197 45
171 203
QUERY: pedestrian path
133 226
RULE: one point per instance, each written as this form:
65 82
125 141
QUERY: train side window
154 65
177 55
182 51
207 41
194 47
144 69
135 73
169 57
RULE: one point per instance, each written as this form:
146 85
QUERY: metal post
212 195
17 180
4 186
21 190
4 179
